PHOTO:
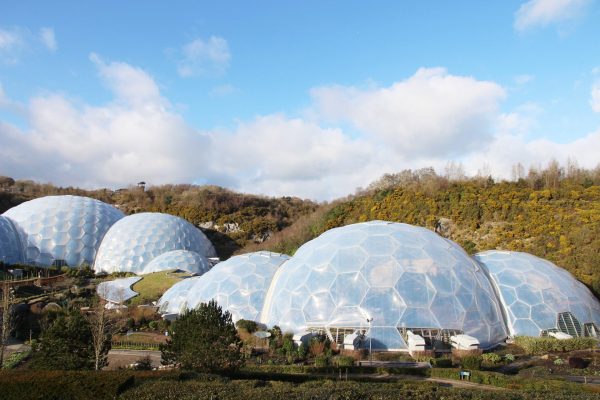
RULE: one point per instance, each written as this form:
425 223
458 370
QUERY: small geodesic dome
238 285
62 230
183 260
387 278
137 239
11 249
537 295
174 300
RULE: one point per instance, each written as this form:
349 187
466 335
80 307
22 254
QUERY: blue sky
312 99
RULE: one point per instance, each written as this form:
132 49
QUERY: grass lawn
152 286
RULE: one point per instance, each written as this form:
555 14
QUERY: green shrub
491 358
559 361
143 364
471 362
509 357
15 359
302 352
342 361
443 362
247 325
321 361
543 345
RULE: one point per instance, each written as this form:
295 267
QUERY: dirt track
123 358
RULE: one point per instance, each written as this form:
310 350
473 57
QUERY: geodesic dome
174 300
533 292
63 229
238 285
137 239
184 260
403 277
11 249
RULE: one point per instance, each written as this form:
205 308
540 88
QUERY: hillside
552 214
231 220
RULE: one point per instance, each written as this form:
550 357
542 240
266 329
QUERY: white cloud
545 12
131 85
595 97
135 137
48 39
11 42
432 113
204 57
289 156
425 120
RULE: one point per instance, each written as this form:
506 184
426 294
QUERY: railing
38 281
128 345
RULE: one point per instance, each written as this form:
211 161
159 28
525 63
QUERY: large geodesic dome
538 296
62 229
183 260
401 276
11 249
137 239
239 285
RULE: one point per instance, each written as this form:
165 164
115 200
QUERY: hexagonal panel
149 235
415 289
241 283
386 303
11 247
50 225
349 289
541 289
401 267
183 260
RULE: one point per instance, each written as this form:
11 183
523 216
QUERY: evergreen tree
65 345
204 339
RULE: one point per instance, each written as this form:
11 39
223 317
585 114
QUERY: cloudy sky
312 99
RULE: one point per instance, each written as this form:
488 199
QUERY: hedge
544 345
62 385
178 385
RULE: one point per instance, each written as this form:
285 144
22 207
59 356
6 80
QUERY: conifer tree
204 339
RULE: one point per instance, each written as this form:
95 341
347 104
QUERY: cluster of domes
74 230
387 280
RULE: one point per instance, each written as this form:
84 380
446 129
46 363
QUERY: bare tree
104 323
7 320
518 172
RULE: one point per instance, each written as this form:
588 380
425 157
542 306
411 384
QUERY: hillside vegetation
231 220
552 213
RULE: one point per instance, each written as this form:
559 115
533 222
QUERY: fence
129 345
39 282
